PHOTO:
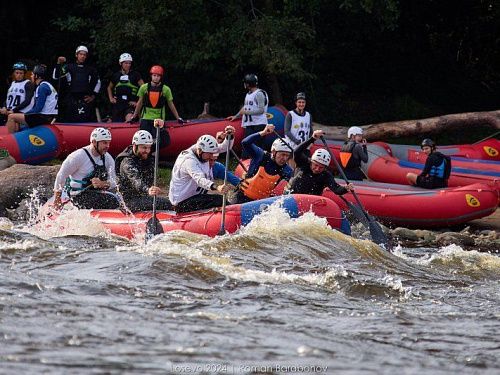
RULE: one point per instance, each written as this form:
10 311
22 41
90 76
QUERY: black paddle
376 231
285 142
222 229
239 160
153 226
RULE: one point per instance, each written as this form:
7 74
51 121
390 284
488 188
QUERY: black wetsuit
436 171
305 181
136 176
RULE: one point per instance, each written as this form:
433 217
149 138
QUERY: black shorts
35 119
427 182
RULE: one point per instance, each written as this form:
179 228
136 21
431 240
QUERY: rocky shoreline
21 184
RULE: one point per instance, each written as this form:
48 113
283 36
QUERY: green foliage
360 61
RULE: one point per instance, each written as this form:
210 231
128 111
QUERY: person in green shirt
153 99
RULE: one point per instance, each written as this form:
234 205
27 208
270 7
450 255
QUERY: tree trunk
408 128
276 96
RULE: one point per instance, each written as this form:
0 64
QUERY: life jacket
443 170
125 88
74 186
346 158
260 185
154 97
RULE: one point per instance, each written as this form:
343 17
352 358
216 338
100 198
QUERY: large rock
19 182
5 159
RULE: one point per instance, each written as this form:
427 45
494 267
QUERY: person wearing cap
88 175
298 123
436 170
353 152
154 96
311 176
20 93
266 169
122 89
194 173
79 85
253 113
44 109
135 168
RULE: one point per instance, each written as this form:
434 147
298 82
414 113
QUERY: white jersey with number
252 105
50 107
16 95
191 176
301 126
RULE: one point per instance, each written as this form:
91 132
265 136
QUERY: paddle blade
153 228
358 213
378 235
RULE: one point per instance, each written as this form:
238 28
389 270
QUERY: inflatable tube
411 206
42 143
208 222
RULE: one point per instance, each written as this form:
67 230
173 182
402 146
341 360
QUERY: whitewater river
281 296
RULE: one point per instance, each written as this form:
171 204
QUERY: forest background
359 61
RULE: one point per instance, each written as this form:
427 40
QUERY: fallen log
409 128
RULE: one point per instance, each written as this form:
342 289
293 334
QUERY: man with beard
135 169
88 175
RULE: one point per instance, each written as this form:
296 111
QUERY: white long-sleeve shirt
191 176
77 166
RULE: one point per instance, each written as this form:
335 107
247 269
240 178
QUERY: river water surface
280 296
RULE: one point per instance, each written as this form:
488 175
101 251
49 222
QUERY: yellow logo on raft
472 200
36 141
490 151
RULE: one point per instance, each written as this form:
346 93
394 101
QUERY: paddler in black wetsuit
135 171
311 175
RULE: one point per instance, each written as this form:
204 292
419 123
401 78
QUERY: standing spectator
353 152
254 109
82 84
298 123
44 108
122 89
153 97
20 93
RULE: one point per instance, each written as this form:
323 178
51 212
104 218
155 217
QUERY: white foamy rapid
69 221
272 224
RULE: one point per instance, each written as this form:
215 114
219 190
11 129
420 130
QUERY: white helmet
321 156
207 143
142 137
125 57
354 130
281 145
100 134
82 49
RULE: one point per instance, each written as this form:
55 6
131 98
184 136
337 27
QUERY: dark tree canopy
360 61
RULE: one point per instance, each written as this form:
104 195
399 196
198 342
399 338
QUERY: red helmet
156 69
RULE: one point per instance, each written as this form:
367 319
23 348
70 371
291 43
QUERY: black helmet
251 80
40 70
300 95
19 66
428 142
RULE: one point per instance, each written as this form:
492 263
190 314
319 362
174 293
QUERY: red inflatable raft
46 142
385 168
416 207
485 150
208 222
